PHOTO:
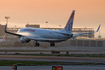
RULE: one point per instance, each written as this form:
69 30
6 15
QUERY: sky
88 13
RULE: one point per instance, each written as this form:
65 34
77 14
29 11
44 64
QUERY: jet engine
71 35
24 40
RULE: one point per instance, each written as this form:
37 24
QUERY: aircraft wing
17 34
77 34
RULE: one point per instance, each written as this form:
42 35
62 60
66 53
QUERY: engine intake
24 40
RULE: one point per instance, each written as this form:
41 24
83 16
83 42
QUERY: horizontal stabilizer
98 28
77 34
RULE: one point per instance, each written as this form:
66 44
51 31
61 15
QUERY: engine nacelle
71 35
24 40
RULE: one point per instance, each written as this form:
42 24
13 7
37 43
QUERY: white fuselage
43 35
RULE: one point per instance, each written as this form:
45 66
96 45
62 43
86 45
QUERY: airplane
45 35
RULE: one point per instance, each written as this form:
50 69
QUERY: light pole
59 25
7 19
46 23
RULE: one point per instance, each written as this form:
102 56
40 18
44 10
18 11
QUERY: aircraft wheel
51 44
38 44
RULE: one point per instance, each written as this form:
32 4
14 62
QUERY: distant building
15 29
2 27
34 26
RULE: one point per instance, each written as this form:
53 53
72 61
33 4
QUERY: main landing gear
37 44
52 44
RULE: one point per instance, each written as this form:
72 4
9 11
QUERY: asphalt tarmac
73 49
52 58
79 48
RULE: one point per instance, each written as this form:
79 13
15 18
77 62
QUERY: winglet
5 28
98 28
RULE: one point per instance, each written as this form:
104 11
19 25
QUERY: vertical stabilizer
69 25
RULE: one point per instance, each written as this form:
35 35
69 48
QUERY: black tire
38 44
51 44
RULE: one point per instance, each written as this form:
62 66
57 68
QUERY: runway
47 50
52 58
80 48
